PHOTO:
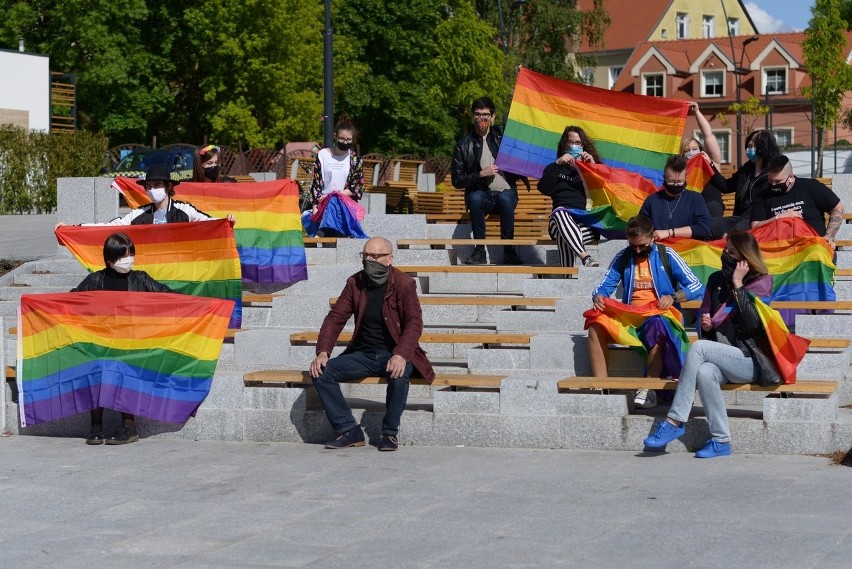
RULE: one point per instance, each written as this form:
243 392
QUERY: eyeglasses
345 140
481 115
209 148
374 256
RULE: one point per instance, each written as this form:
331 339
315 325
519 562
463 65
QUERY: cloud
764 22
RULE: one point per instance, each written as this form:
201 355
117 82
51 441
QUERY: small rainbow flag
616 195
698 173
150 354
633 132
268 229
624 323
787 349
198 258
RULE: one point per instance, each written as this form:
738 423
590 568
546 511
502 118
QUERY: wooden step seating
444 243
606 384
300 378
507 301
534 271
487 339
793 304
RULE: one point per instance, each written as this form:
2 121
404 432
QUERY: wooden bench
397 199
511 301
300 378
316 241
490 269
250 298
793 304
444 243
605 384
486 339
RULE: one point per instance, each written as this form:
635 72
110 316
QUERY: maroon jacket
401 311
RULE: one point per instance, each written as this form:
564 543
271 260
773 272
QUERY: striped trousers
570 236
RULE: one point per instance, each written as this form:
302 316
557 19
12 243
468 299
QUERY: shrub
30 163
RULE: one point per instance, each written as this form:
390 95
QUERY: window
734 26
614 73
587 76
708 26
682 25
723 137
784 136
653 85
664 33
775 81
712 83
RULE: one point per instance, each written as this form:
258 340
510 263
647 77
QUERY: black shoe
388 442
96 436
589 262
354 437
123 435
510 257
478 257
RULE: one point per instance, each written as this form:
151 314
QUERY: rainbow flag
624 323
150 354
698 173
633 132
616 196
268 229
197 258
787 349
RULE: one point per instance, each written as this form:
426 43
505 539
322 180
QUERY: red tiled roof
632 22
681 54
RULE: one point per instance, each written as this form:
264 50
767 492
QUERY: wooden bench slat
432 338
304 378
480 300
794 304
487 269
630 383
444 243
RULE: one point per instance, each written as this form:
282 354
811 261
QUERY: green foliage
752 110
846 13
30 163
824 50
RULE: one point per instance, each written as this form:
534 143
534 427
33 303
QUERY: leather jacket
464 170
137 281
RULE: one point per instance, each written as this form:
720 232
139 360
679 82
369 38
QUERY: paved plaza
206 505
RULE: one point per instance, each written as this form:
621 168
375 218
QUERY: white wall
25 86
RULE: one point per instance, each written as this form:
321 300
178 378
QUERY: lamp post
328 78
515 5
738 73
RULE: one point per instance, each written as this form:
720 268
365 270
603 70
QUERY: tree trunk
820 132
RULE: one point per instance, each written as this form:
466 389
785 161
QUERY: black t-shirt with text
808 196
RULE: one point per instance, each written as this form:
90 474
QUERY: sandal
589 262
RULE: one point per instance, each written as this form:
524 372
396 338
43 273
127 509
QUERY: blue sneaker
665 433
713 449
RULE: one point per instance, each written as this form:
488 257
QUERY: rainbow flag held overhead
616 196
633 132
149 354
698 173
198 258
268 228
624 323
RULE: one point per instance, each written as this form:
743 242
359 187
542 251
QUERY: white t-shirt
335 170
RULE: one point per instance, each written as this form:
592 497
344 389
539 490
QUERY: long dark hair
765 146
588 145
203 154
746 244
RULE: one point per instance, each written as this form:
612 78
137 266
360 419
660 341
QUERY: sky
779 15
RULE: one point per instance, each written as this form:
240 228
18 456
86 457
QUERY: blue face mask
751 154
691 153
575 150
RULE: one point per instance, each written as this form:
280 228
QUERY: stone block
64 281
824 364
518 431
550 287
256 316
461 283
301 311
592 405
459 429
448 231
528 395
824 325
106 200
348 251
569 312
263 346
226 360
219 424
800 408
393 227
528 321
602 433
151 429
466 401
226 391
514 283
479 359
275 399
460 313
55 265
797 437
11 424
374 204
560 351
422 257
321 255
75 198
270 425
440 351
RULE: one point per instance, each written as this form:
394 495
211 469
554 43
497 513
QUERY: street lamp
328 78
515 5
738 73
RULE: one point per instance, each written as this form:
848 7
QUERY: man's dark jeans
352 366
483 202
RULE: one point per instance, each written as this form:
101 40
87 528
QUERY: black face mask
344 146
212 172
643 252
675 190
377 273
778 188
728 265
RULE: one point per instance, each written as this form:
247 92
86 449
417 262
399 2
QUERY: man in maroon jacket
388 323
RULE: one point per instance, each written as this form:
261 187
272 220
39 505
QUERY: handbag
768 371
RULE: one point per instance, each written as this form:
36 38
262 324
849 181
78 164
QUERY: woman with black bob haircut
117 275
752 178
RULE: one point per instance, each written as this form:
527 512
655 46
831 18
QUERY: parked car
177 158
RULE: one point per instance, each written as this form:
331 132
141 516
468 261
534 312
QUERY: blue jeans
352 366
709 365
483 202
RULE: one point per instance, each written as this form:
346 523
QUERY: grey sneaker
645 399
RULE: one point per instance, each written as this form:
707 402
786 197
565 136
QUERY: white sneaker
645 399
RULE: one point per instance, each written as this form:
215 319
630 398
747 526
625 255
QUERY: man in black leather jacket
486 188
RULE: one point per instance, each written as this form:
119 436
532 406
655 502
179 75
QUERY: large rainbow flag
150 354
616 196
799 260
268 228
787 349
624 322
198 258
634 132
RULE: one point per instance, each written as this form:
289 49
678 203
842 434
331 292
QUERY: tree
751 110
846 12
824 50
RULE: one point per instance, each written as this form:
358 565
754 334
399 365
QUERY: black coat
464 170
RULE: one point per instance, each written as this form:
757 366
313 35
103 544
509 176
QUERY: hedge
30 163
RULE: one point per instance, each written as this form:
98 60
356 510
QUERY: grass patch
7 265
840 458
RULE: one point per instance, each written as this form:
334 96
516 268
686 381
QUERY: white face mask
124 264
691 153
157 195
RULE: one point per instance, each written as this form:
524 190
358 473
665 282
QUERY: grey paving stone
803 408
528 394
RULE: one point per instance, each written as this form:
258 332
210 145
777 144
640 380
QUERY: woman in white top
338 172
